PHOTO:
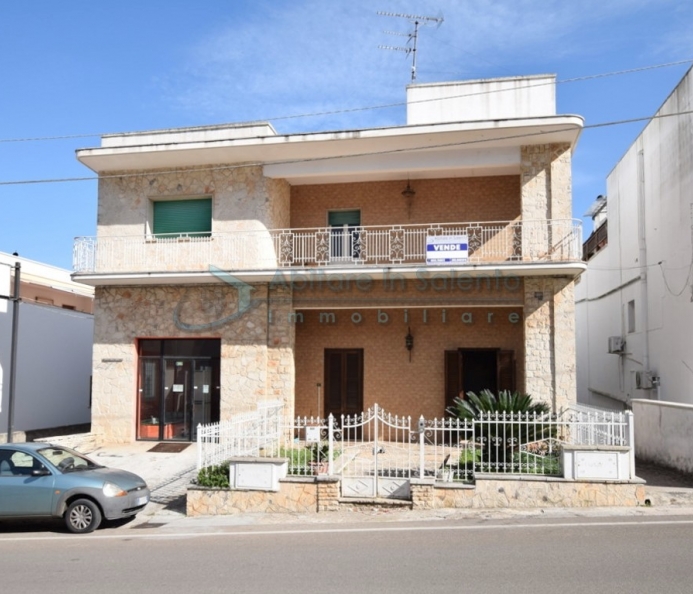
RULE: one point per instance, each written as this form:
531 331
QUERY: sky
82 68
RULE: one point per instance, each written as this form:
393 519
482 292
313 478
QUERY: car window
16 463
66 459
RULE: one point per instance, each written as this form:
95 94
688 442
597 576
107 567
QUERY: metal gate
376 454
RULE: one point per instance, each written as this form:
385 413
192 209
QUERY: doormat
169 447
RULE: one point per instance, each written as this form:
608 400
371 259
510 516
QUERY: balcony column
550 352
545 171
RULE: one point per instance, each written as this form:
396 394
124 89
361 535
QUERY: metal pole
13 351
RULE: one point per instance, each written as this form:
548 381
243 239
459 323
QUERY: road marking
190 534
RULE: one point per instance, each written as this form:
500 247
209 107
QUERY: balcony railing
500 242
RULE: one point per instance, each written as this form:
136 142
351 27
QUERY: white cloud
312 56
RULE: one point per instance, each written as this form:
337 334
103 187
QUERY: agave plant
486 402
505 424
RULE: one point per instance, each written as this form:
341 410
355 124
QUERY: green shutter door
183 216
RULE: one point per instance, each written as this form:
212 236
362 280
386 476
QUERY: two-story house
333 270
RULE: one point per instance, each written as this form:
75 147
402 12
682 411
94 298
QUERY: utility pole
13 350
411 37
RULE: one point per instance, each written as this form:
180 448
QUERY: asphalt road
522 555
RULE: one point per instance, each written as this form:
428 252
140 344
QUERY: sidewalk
169 474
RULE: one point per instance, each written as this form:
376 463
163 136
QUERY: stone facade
256 354
240 197
275 349
549 309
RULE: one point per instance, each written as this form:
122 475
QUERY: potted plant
319 457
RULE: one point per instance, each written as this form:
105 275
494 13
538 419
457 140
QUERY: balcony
487 244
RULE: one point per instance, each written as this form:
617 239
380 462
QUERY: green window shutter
183 216
339 218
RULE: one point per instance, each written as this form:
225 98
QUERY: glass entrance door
177 398
178 388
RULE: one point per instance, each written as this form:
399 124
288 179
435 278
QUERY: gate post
330 444
422 461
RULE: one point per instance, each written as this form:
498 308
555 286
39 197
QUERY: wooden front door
343 381
474 370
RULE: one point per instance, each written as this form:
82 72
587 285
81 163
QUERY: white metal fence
557 240
376 453
252 433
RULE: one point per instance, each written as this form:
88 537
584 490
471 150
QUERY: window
631 316
183 217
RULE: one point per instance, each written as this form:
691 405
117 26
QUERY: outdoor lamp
408 194
409 342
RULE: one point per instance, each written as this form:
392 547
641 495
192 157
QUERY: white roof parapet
189 134
482 99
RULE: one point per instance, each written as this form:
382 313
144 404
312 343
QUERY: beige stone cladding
256 355
436 200
240 195
378 320
550 340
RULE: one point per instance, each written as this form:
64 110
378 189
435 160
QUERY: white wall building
54 347
639 283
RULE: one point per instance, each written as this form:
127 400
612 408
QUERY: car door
21 492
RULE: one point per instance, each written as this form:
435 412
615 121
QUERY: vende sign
446 249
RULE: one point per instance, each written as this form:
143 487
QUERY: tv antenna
412 38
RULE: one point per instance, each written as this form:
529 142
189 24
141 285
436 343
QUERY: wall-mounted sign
447 249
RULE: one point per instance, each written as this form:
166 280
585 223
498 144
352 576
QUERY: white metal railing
557 240
378 444
252 433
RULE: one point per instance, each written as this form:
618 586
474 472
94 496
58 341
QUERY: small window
631 316
183 217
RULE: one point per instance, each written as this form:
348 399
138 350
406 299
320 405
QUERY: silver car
44 480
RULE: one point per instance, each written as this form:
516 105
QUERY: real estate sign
446 249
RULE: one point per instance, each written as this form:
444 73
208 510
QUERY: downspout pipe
642 259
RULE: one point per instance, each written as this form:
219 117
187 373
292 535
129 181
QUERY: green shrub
499 439
214 476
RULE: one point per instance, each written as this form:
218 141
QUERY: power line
382 106
366 154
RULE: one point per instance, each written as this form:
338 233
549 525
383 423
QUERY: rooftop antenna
410 46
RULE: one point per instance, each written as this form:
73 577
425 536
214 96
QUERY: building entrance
178 388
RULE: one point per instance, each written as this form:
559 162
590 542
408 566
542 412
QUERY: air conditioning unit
644 380
616 344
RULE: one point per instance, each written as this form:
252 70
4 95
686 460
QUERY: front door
178 388
343 382
474 370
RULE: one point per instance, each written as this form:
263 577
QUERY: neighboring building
54 347
634 317
334 270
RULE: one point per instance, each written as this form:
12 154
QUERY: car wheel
82 516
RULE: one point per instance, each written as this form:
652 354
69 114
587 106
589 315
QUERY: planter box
257 474
610 463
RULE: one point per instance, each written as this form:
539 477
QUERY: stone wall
319 495
240 195
296 495
256 353
549 325
530 494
